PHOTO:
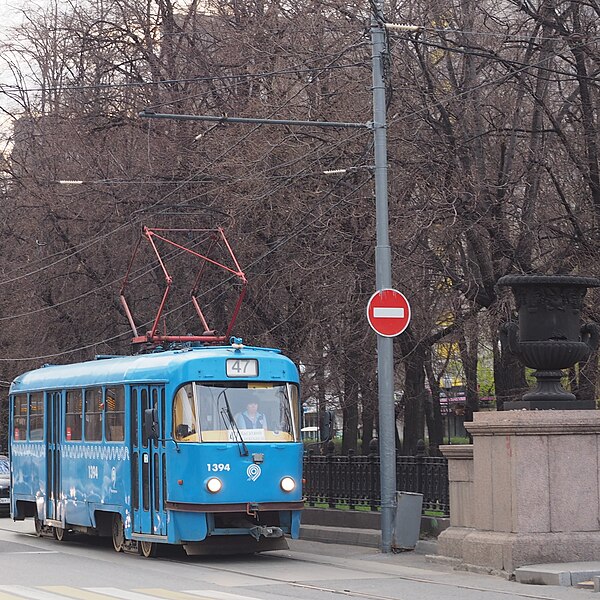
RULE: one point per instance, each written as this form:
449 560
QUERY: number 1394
212 467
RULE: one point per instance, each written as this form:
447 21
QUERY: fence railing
354 480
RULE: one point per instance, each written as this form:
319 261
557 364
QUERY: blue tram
198 447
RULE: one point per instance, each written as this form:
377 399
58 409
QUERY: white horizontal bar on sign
382 312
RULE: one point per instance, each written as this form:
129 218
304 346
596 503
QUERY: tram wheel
147 549
60 534
38 526
118 533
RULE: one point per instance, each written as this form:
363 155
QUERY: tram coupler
266 531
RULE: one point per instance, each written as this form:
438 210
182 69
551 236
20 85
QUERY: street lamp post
383 280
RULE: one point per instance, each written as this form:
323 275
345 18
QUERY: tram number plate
242 367
218 467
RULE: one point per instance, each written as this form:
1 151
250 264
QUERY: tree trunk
509 377
468 355
588 378
350 413
414 398
369 413
435 423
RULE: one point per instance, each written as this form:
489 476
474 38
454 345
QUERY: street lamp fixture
348 170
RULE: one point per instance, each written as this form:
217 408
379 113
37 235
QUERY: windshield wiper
287 411
233 425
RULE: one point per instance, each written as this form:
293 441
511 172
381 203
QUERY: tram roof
174 366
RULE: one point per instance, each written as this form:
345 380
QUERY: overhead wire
275 247
496 58
269 192
185 181
93 241
404 117
484 84
200 79
118 228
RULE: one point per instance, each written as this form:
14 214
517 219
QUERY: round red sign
388 312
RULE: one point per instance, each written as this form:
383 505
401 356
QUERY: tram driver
251 418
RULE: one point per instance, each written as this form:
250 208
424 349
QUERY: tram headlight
287 484
214 485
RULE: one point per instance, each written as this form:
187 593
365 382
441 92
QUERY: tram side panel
28 468
27 459
63 476
95 477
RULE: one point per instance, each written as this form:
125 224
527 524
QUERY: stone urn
549 336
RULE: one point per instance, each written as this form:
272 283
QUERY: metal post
383 269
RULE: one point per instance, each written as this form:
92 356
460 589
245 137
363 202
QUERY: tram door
148 462
54 429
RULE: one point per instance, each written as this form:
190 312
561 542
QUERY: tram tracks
352 566
367 595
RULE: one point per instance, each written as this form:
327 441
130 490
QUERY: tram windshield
223 412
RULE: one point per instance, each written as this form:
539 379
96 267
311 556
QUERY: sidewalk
339 540
419 575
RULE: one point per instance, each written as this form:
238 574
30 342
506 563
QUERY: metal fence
354 480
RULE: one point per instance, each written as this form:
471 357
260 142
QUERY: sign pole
383 279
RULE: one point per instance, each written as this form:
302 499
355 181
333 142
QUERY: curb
353 536
349 536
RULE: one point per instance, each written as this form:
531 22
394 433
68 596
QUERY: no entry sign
388 312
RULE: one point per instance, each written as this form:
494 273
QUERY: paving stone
563 574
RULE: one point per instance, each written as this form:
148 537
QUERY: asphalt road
89 569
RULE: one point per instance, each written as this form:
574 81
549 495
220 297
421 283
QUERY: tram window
93 415
134 416
114 409
184 415
73 417
135 490
261 411
162 415
157 474
144 399
36 416
20 417
155 406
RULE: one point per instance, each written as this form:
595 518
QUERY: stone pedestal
534 496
